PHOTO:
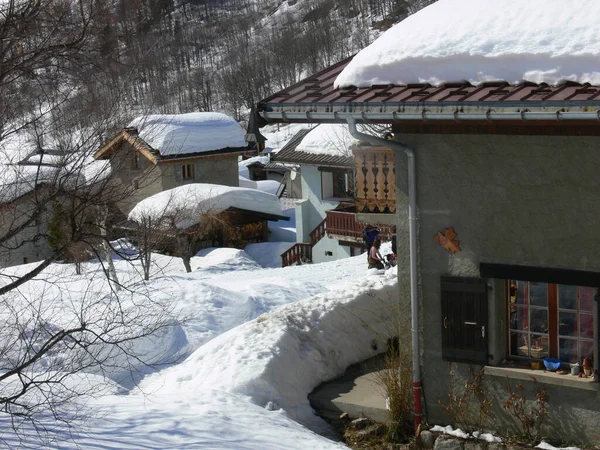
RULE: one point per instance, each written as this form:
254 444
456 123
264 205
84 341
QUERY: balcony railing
297 254
375 187
341 222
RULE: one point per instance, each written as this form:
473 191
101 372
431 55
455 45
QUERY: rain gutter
412 218
424 115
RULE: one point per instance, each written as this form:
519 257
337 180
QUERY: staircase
297 254
300 253
282 189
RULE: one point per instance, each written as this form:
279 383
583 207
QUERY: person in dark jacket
369 235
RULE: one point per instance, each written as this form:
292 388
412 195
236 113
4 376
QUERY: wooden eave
200 156
138 144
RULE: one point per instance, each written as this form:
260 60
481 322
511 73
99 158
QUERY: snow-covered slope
258 340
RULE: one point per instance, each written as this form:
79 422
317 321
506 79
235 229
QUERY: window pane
520 344
539 346
587 326
568 350
519 319
521 292
567 324
567 296
587 350
586 298
539 294
539 320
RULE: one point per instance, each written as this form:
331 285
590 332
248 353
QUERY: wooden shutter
464 320
178 172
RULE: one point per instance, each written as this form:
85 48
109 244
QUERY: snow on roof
175 134
186 204
543 41
327 139
278 135
261 159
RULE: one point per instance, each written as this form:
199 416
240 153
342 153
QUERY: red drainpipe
417 404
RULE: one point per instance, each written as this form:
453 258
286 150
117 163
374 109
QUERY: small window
25 260
135 160
337 183
187 171
136 184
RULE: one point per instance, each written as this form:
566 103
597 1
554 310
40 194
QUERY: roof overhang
366 113
262 215
316 100
126 135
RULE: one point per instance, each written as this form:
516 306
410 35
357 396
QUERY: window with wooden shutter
464 320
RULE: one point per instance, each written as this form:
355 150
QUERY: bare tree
182 221
57 329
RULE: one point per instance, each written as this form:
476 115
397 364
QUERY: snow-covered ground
257 341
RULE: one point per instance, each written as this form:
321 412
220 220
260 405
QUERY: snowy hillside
259 340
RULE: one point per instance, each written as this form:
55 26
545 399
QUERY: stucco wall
152 179
529 200
328 249
147 176
24 244
214 170
311 211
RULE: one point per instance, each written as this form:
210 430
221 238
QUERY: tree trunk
112 273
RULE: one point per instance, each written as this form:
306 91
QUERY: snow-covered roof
327 139
186 204
279 135
175 134
485 40
325 145
261 159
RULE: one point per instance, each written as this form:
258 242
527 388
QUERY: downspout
412 218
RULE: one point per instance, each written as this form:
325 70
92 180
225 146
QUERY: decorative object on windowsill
588 369
575 369
446 240
552 364
536 365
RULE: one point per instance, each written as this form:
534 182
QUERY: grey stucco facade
310 212
524 200
28 245
149 178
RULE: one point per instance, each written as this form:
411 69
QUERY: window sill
542 376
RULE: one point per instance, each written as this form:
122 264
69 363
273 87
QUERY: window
187 171
136 184
550 320
337 183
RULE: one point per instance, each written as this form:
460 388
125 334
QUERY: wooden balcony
375 185
341 224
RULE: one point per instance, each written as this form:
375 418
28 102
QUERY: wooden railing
298 253
319 232
375 187
343 223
